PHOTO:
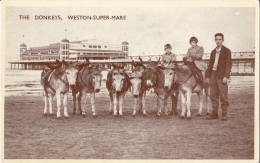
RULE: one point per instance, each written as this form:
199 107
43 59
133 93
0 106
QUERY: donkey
165 88
58 84
88 81
187 85
158 78
117 84
137 90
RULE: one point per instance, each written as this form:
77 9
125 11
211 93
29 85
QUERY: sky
146 29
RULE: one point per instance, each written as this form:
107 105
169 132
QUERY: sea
27 83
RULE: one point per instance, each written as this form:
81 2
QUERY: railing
235 55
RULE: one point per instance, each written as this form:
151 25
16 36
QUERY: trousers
218 92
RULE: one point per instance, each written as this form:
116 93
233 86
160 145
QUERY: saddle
45 78
196 72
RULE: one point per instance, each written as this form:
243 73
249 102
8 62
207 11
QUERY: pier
243 63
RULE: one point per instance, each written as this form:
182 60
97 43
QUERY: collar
219 49
168 53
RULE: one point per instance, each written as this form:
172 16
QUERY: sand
30 135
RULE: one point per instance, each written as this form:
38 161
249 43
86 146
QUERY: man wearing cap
218 72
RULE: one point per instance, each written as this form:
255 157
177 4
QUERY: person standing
218 72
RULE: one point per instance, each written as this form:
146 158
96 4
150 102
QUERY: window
84 45
105 46
99 46
94 46
90 46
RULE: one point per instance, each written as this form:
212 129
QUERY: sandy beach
30 135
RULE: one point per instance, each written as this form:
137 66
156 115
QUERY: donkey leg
45 111
65 105
121 100
160 104
208 101
115 103
188 99
165 106
200 95
174 104
135 105
143 104
58 96
79 102
111 103
74 101
92 101
50 104
83 103
183 104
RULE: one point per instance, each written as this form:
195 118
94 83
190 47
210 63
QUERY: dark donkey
88 81
117 84
153 77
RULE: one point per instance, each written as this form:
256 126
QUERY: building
75 50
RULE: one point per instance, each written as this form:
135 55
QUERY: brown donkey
117 84
88 82
158 78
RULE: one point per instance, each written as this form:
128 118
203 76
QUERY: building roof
65 40
23 45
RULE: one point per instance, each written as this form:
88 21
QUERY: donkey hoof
188 118
182 117
94 114
199 114
208 113
158 114
84 115
45 115
145 114
66 117
59 117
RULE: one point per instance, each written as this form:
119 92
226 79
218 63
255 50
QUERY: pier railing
243 63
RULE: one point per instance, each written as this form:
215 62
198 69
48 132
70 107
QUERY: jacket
224 63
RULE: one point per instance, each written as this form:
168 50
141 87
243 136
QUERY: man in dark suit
218 72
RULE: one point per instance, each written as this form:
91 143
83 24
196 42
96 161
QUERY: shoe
211 117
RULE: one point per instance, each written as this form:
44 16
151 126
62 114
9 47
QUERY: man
218 73
193 59
168 57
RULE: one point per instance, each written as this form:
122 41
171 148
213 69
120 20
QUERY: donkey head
168 77
136 78
96 77
71 72
118 78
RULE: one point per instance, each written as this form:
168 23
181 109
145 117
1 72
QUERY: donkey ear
57 61
114 66
158 60
87 61
141 60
